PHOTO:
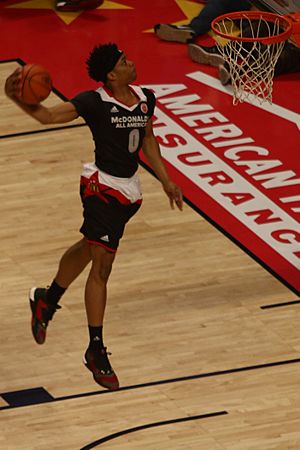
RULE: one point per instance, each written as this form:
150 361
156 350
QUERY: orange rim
285 23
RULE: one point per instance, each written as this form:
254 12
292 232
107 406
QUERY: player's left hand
174 193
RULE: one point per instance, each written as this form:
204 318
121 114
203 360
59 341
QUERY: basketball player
119 117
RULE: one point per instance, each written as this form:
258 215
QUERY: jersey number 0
133 140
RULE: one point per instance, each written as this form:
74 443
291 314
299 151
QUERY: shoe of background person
98 363
224 74
77 5
205 55
166 32
41 313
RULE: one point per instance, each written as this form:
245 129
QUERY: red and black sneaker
41 313
98 363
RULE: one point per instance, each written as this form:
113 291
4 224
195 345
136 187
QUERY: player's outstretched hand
174 193
13 84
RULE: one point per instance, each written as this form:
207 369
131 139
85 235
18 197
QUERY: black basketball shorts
105 216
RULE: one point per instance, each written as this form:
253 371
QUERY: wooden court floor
202 366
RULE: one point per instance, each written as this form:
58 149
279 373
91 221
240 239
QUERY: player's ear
111 76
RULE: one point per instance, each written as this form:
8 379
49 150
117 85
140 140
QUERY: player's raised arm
151 150
61 113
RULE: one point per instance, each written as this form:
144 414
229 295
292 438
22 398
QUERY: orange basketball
36 84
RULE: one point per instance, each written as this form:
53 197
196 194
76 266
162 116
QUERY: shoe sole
31 294
110 388
168 33
200 56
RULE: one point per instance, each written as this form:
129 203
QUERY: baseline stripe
171 380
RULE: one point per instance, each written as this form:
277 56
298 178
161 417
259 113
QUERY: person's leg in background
289 60
200 24
214 8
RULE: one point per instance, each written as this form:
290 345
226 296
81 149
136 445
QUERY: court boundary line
278 305
161 382
150 425
44 130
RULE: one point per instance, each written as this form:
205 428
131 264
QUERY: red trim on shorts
101 189
113 250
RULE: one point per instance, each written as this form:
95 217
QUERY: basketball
36 84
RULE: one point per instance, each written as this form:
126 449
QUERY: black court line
44 130
161 382
150 425
17 60
278 305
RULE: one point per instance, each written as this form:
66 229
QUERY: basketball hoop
250 43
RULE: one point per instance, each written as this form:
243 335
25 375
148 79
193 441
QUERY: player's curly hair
102 60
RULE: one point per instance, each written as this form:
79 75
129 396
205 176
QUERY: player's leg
73 262
95 358
44 301
96 285
213 8
104 234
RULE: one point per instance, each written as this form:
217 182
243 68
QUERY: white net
251 64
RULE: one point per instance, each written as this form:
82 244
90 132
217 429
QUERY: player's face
125 70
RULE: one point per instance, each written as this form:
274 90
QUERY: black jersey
118 130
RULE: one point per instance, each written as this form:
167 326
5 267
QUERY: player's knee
102 261
100 272
105 271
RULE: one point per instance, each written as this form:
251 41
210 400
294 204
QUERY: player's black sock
96 337
54 293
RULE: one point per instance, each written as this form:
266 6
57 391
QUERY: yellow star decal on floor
189 8
67 17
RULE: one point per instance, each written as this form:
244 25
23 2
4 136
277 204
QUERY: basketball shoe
180 33
98 363
77 5
41 313
205 55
